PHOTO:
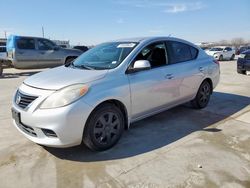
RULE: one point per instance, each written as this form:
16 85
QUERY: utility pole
43 31
5 34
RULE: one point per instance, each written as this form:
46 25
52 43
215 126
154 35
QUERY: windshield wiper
83 67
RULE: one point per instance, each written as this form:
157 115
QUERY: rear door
229 52
26 54
185 68
49 55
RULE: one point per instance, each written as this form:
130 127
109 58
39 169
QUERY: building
3 41
62 43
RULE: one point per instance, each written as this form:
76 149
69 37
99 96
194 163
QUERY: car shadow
17 75
161 130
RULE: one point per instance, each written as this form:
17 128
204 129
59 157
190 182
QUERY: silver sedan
95 98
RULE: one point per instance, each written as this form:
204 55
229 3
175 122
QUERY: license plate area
17 118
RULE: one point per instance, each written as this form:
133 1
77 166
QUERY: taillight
217 62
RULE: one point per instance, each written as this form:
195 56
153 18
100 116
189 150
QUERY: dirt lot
181 147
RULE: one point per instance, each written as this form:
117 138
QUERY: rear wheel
203 95
221 58
104 127
232 58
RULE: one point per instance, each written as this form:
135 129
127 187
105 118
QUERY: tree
237 42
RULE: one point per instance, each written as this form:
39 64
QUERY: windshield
216 49
104 56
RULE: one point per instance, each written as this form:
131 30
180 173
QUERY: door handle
201 69
169 76
42 52
21 52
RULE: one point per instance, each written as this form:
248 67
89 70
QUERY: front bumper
243 65
66 122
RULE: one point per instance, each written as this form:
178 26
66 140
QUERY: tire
221 58
203 95
232 58
104 127
1 69
241 71
69 60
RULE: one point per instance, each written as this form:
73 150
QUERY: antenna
43 31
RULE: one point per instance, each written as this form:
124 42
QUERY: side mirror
139 66
56 48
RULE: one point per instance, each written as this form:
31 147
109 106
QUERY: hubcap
107 128
204 94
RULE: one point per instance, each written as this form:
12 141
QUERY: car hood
62 76
246 52
71 51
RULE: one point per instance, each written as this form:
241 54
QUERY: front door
154 89
48 54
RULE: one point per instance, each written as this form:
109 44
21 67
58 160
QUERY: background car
242 49
35 52
243 62
221 53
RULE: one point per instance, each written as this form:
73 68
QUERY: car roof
148 39
19 36
219 47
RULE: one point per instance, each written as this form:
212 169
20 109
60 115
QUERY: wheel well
118 104
69 57
210 83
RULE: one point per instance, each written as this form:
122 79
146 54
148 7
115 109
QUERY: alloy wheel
106 129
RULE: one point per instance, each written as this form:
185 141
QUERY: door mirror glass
140 65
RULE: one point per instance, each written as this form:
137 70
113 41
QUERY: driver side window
45 44
155 53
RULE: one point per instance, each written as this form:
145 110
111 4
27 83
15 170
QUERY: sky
89 22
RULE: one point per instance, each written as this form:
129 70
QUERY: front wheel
241 71
203 96
104 127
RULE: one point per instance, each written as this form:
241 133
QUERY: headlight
64 96
242 56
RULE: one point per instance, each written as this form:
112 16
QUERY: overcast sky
91 21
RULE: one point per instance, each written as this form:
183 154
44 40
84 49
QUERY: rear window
180 52
26 43
2 49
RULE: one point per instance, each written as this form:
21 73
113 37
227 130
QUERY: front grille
23 100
